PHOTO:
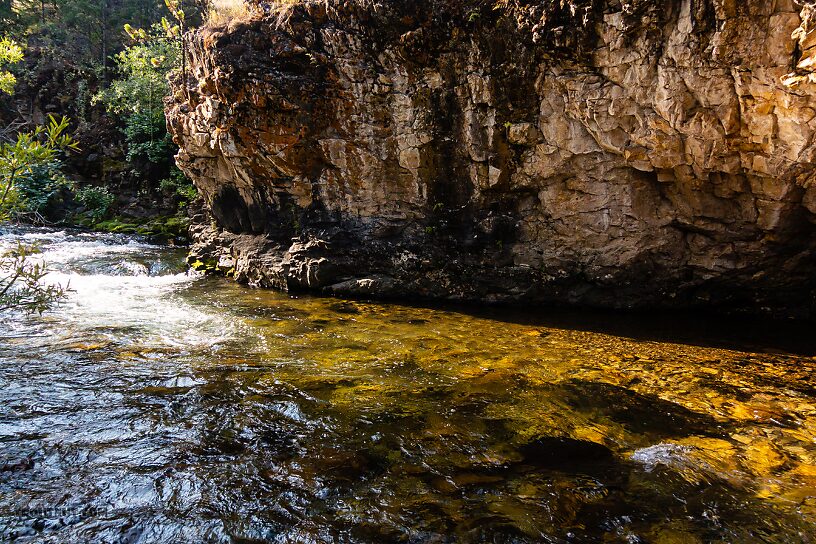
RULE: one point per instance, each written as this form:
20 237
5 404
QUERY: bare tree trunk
105 40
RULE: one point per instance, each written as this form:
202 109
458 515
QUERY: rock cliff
640 153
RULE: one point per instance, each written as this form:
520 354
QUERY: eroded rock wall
644 153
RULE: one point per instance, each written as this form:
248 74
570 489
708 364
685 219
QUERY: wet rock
352 465
646 414
344 308
564 452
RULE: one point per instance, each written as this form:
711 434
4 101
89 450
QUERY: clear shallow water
156 406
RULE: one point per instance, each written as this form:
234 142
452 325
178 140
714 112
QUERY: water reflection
155 406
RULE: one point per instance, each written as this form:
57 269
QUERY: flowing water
158 406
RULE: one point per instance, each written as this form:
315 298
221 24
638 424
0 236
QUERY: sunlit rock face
617 153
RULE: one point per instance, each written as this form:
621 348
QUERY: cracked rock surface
643 153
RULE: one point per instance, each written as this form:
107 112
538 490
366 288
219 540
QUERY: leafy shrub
10 53
178 187
21 285
143 68
32 159
136 96
40 187
98 201
147 138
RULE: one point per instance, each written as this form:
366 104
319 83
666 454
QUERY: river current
158 406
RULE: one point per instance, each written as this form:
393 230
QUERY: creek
156 405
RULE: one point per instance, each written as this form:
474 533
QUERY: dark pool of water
156 406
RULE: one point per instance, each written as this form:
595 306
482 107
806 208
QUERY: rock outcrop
639 153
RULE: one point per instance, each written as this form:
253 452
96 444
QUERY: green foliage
98 201
143 68
22 161
10 53
147 138
104 59
39 187
176 10
36 147
88 30
6 13
21 285
178 186
137 95
207 265
31 149
82 100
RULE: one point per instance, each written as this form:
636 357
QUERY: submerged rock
564 452
623 154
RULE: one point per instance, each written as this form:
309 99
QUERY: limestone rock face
622 153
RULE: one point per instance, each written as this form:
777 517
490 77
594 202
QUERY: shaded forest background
103 64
